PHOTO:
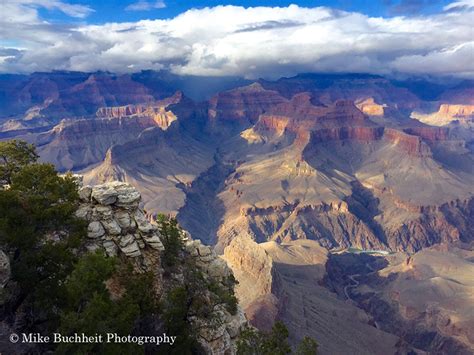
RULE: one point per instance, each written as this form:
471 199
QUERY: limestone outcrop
115 221
117 224
252 267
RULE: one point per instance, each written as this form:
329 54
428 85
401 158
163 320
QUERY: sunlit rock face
446 114
156 111
370 107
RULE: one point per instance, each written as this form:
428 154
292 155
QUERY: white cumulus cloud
251 42
143 5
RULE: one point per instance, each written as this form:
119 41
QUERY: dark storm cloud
269 25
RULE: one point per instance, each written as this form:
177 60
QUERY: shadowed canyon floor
425 299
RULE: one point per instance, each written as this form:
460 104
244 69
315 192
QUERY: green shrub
37 224
255 342
62 290
224 295
175 313
89 308
14 155
171 238
307 346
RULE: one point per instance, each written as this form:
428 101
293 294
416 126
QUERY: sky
270 39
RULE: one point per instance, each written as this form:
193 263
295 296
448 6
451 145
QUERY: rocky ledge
217 334
115 220
117 224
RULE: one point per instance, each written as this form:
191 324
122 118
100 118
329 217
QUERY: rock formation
326 172
159 163
156 111
328 88
118 225
100 89
284 282
115 221
263 173
5 271
370 107
253 266
158 114
79 143
243 105
460 94
219 335
446 114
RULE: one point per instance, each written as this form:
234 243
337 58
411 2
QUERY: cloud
441 62
459 5
410 6
73 10
268 25
143 5
30 6
251 42
8 54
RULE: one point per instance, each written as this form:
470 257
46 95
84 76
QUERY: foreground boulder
115 220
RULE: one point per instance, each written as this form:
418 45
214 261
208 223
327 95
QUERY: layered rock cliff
243 105
75 144
100 89
308 141
327 88
257 170
446 114
139 109
156 111
158 114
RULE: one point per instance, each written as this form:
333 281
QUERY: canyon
282 179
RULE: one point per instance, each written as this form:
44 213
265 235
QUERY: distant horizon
202 88
402 77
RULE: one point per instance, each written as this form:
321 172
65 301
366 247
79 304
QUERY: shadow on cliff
203 211
345 273
364 205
